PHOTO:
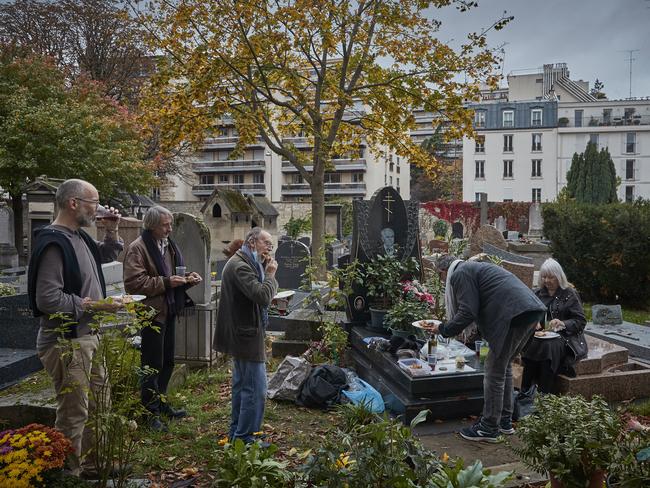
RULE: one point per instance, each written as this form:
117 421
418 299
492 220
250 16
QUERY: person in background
544 358
150 267
248 286
65 276
506 312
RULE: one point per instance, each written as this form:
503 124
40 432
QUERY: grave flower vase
377 318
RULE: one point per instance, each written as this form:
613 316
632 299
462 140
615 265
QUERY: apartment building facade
261 172
527 138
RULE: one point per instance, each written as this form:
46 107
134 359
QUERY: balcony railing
613 121
330 188
228 141
339 165
305 141
207 189
228 166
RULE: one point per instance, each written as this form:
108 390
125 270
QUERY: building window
508 118
238 179
258 177
155 193
507 199
216 211
223 178
578 117
536 117
507 143
390 180
537 142
507 168
296 179
629 169
477 197
593 139
361 153
357 177
537 168
607 116
332 178
480 144
537 195
480 169
629 193
207 179
398 183
223 131
391 167
630 143
479 118
398 171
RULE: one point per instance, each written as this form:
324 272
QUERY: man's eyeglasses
96 202
268 243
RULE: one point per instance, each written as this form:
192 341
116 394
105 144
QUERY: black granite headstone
18 326
292 258
385 224
456 230
305 240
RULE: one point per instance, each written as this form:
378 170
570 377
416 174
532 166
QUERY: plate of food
285 294
426 324
546 334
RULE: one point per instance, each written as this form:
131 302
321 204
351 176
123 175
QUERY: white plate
134 298
548 335
428 324
285 294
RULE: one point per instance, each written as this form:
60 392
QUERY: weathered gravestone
483 208
195 326
512 235
486 234
385 225
8 252
292 258
18 331
523 225
333 252
500 223
535 220
607 314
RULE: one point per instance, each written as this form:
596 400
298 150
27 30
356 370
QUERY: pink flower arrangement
416 292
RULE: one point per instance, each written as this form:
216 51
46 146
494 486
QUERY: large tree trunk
17 206
318 223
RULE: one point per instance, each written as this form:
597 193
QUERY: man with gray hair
248 285
65 276
154 267
506 312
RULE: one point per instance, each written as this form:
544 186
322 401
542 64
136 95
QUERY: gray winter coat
240 328
490 296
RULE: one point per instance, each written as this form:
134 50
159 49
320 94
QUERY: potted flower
571 439
381 277
416 303
563 122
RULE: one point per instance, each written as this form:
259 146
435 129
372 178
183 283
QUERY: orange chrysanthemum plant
26 453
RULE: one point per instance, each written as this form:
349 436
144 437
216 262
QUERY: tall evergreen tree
592 176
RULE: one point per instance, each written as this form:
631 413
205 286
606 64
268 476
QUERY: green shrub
603 249
6 290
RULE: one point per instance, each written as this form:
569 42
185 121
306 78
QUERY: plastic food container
415 367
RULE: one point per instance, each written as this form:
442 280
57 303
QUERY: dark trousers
157 361
538 372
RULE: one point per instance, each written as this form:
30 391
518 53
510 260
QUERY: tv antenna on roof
630 59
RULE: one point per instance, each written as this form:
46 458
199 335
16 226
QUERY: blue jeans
497 381
248 398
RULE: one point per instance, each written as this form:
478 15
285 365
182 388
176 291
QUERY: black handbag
578 345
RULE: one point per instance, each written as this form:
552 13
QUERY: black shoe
154 423
172 413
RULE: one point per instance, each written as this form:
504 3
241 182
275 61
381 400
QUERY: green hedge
604 249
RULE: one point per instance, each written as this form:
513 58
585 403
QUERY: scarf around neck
450 296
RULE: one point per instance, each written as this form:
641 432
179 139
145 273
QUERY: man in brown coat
152 267
248 285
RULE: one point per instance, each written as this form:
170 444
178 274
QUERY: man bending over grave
154 267
65 276
248 285
506 312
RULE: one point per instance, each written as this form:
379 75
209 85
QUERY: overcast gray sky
591 36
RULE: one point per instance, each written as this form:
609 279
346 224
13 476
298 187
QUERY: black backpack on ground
322 388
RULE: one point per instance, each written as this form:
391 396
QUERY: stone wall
189 207
287 210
